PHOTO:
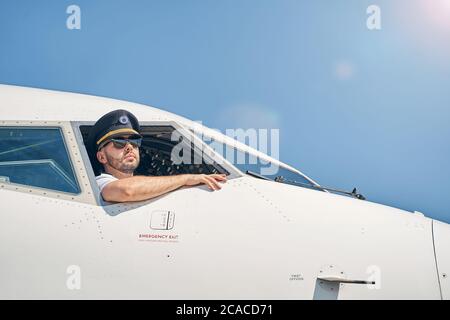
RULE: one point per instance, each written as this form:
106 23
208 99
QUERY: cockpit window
36 157
251 164
159 144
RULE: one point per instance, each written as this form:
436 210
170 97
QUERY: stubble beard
121 165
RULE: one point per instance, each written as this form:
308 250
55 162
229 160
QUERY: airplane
261 237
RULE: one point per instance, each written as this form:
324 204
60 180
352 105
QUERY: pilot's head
114 142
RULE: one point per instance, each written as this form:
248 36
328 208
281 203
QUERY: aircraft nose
441 240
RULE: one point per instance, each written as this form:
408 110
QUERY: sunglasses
120 143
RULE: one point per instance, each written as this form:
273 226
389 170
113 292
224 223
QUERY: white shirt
104 179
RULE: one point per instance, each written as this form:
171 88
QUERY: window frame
233 171
73 154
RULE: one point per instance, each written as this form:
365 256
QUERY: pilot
114 142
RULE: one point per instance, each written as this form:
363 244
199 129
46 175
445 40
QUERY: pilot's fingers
213 182
208 183
220 177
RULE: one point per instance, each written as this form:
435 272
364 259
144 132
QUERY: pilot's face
124 159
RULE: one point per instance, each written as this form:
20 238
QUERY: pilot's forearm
140 188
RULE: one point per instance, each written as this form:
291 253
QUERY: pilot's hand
211 180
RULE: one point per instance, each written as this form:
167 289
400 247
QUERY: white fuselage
254 239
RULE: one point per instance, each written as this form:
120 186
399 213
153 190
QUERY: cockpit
156 154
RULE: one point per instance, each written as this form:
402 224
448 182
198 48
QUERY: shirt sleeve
103 180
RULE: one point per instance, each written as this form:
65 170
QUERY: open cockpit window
166 152
36 157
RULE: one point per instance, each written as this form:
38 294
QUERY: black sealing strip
435 258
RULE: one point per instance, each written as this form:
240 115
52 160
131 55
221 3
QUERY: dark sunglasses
120 143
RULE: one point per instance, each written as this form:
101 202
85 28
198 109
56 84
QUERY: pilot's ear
101 157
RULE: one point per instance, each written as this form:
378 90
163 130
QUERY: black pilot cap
116 123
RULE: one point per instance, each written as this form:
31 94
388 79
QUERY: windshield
257 167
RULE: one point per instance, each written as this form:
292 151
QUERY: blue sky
355 107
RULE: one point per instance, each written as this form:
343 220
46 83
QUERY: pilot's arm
140 188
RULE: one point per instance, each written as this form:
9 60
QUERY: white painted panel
442 244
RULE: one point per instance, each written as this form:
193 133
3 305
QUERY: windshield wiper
257 175
281 179
353 194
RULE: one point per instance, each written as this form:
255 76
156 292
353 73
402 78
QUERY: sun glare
437 13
